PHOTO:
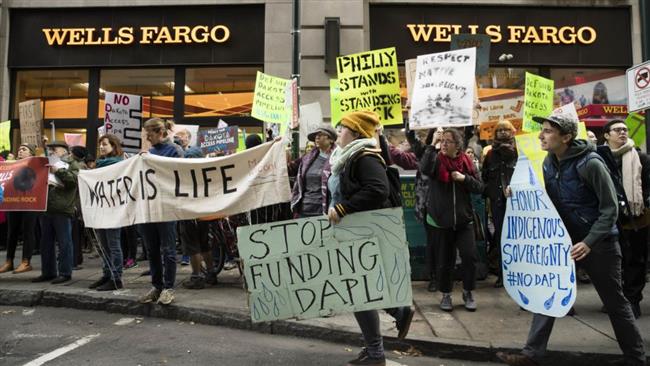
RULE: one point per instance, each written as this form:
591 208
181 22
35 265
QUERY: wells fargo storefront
584 50
195 64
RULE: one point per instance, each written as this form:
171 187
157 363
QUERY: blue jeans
112 257
59 227
160 239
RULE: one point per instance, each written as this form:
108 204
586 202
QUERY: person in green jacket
56 223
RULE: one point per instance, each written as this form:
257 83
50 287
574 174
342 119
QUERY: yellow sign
513 33
127 35
5 135
529 145
270 101
370 81
538 100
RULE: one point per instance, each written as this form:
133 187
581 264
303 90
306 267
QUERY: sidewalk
584 339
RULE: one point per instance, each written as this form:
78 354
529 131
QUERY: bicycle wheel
218 248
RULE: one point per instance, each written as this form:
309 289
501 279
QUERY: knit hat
363 122
30 147
566 124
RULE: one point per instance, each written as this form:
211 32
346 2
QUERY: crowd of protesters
349 170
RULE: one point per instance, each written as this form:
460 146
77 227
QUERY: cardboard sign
538 100
25 184
74 139
5 135
538 271
31 122
410 66
270 102
218 139
637 129
444 90
150 188
482 44
123 118
369 81
310 268
311 117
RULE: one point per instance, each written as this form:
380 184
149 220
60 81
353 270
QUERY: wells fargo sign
142 35
509 33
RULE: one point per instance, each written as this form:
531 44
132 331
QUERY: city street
53 336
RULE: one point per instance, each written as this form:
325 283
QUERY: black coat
496 173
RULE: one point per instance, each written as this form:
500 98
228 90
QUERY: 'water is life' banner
123 118
370 81
538 100
538 271
25 184
443 95
310 268
149 188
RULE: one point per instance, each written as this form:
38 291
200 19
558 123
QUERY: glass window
156 86
503 80
589 86
219 91
64 93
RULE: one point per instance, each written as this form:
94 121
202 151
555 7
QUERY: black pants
634 246
430 253
447 241
129 236
21 223
603 265
498 215
78 240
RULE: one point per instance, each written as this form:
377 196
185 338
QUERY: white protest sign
410 67
310 268
443 94
311 117
567 111
538 272
123 118
149 188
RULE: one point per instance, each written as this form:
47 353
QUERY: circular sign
642 77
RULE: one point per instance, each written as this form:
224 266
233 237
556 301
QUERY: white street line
124 321
393 363
61 351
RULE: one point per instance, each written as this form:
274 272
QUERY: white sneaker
166 296
150 296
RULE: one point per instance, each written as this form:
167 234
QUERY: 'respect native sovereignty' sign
370 81
443 95
538 271
308 267
149 188
538 101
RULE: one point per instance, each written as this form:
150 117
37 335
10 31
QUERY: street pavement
499 324
82 337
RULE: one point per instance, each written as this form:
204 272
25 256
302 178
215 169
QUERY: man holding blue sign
581 189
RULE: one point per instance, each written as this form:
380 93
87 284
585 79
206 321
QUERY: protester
160 237
498 166
310 195
110 248
194 235
591 137
630 170
184 136
90 161
584 195
21 223
452 179
56 223
359 183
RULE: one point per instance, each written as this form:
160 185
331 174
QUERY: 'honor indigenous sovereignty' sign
123 119
443 95
308 267
24 183
538 101
149 188
538 271
370 81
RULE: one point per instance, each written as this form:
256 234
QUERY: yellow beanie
363 122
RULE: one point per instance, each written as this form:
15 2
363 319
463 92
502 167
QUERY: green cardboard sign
308 268
636 125
334 102
5 135
369 81
270 102
538 101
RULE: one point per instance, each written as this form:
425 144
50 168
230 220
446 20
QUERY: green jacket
62 200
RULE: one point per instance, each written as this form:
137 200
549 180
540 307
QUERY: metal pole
644 11
295 72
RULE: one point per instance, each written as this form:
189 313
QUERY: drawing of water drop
268 295
523 298
505 268
395 275
572 278
380 281
276 309
565 301
548 303
531 176
263 306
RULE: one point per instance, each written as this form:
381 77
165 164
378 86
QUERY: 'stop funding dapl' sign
370 81
443 95
308 267
538 272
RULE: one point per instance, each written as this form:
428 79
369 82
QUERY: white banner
149 188
123 118
443 94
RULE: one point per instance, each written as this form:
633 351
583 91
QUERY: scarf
461 163
631 175
505 147
341 155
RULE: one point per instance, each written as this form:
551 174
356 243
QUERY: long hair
115 143
159 124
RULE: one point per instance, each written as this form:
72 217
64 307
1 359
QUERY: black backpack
394 182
